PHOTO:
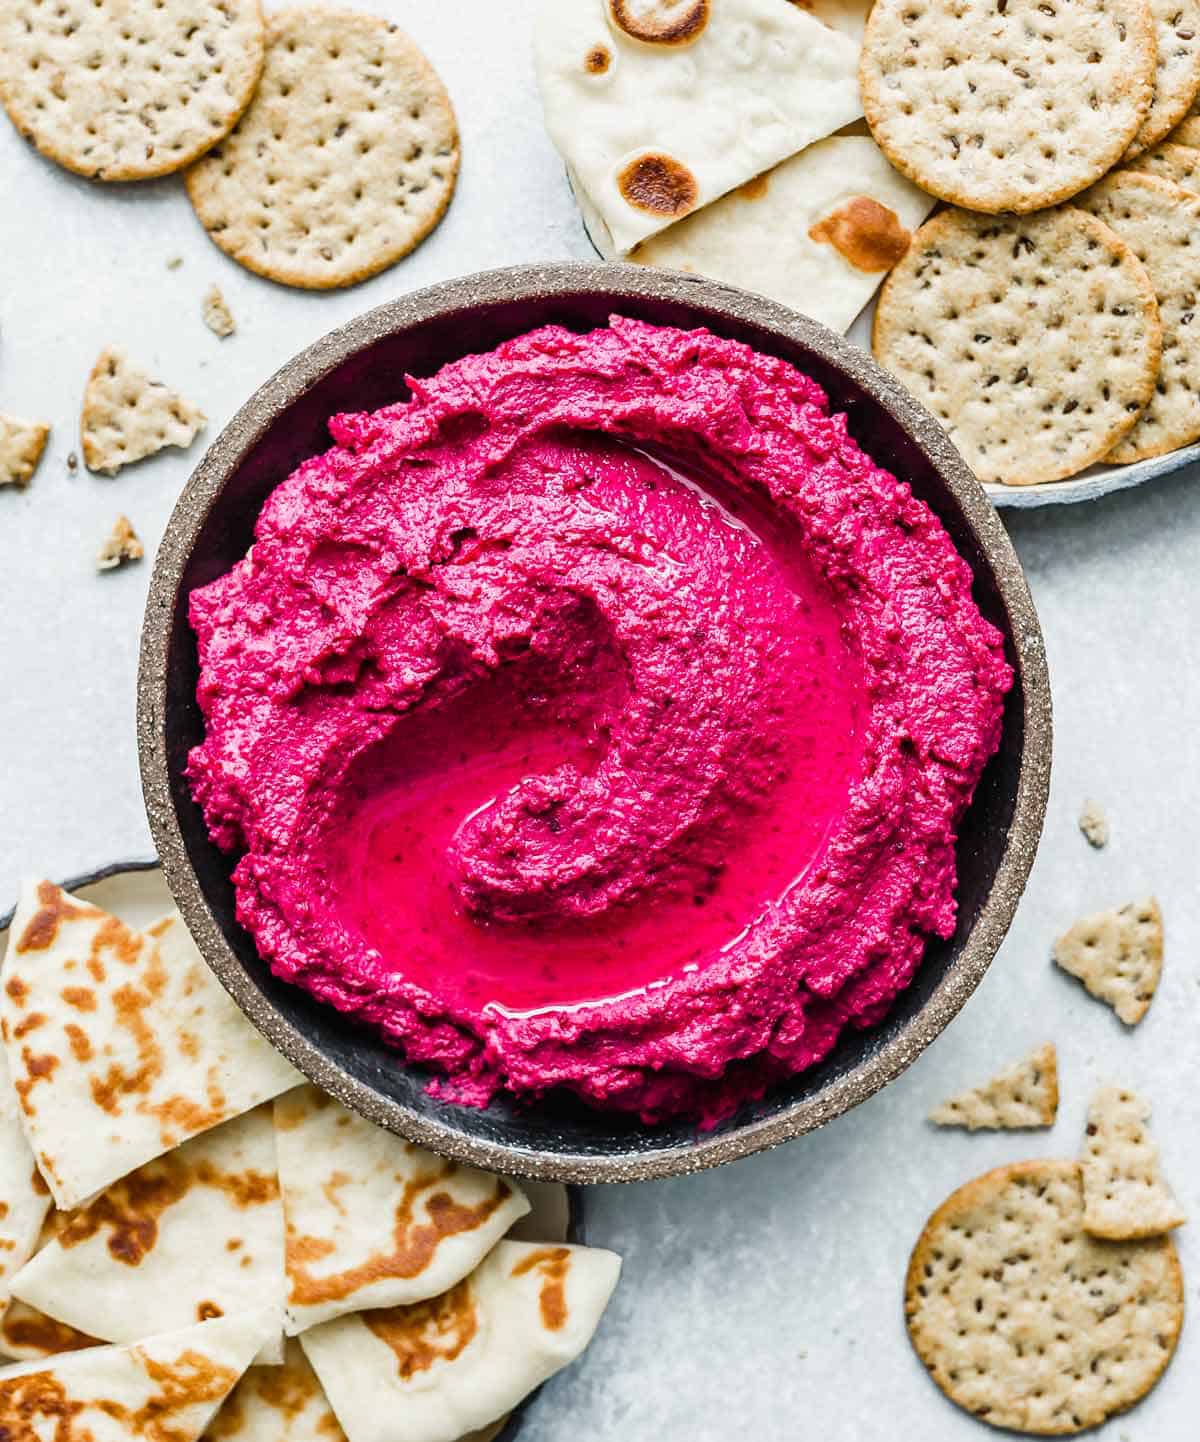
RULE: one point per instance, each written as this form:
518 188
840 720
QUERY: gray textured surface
764 1298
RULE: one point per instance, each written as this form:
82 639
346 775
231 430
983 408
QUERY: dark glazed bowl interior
362 367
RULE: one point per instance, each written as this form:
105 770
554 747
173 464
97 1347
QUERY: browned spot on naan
37 1068
865 233
38 1182
597 60
756 188
17 990
82 998
427 1332
54 908
414 1243
553 1263
130 1210
27 1024
659 185
28 1331
208 1312
660 22
81 1046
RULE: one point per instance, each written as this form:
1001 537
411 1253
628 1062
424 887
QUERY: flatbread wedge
122 1044
277 1404
818 233
164 1389
620 80
24 1196
192 1235
1023 1095
373 1220
433 1371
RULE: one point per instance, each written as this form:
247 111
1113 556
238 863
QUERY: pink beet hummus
599 718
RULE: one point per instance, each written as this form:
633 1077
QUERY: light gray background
762 1300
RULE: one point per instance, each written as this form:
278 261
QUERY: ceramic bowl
361 367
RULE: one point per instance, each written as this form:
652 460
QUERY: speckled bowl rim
622 282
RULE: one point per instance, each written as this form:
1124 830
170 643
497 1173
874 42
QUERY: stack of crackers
191 1234
318 146
1046 317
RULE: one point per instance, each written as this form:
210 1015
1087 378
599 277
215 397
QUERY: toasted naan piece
660 107
121 1044
1023 1095
277 1404
818 233
373 1220
192 1235
24 1196
163 1389
438 1369
1125 1194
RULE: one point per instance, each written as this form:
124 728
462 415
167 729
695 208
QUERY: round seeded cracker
1025 1320
1034 339
345 161
1160 221
127 89
1177 77
1006 104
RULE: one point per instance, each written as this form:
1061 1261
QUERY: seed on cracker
126 89
1161 224
1094 824
1026 1321
1010 106
1033 339
217 315
1125 1194
1023 1095
127 416
1178 163
345 161
1118 956
21 447
1177 75
121 546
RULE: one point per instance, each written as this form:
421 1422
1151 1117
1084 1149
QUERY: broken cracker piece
1125 1194
21 447
128 416
1117 955
217 315
122 546
1023 1095
1094 824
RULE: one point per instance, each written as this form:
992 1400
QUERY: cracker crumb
128 416
72 462
175 262
1023 1095
21 447
1094 824
217 315
1118 955
121 547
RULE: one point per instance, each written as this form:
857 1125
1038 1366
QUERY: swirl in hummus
601 717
